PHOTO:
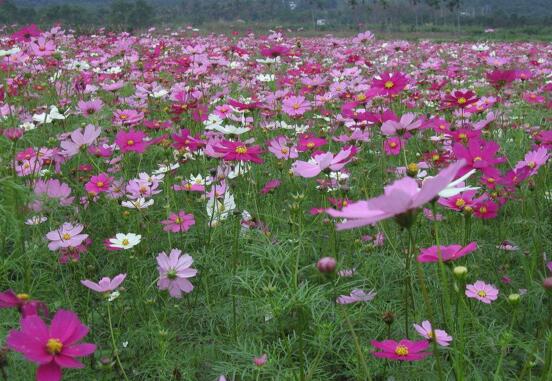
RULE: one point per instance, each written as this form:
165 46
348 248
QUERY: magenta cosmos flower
105 284
88 108
174 271
127 117
131 141
54 347
23 303
425 330
66 236
178 222
295 105
98 184
448 253
404 350
399 198
390 83
482 291
238 151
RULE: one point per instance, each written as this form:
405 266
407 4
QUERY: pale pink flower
425 330
105 284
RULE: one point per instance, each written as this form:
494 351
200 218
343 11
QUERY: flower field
177 206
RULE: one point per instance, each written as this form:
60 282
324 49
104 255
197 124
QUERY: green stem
115 350
365 372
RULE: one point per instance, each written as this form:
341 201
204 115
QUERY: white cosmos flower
52 115
229 130
36 220
27 126
9 52
125 241
140 203
164 168
219 210
265 77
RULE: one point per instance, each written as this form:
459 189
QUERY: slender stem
365 372
235 253
115 350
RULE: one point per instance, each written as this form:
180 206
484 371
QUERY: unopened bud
326 265
460 271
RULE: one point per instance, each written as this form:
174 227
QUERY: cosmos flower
125 241
66 236
399 198
54 347
356 296
482 291
105 284
448 253
404 350
98 184
178 222
174 273
23 303
295 105
425 330
238 151
389 84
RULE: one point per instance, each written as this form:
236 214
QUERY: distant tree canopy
132 14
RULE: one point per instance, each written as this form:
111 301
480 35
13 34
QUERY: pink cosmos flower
404 350
174 271
448 253
389 84
356 296
98 184
23 303
296 105
105 284
42 47
131 141
186 141
26 33
407 123
270 186
482 291
322 161
441 337
80 138
178 222
127 117
484 208
54 347
533 160
238 151
281 148
52 189
398 198
88 108
66 236
393 146
460 99
479 154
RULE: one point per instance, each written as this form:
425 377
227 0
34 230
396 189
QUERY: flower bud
412 169
388 317
460 272
326 264
547 283
514 299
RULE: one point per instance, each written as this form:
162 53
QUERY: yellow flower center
532 164
468 209
361 97
392 144
482 293
389 85
477 158
66 236
188 186
130 142
23 297
482 210
310 145
241 149
412 168
125 242
123 116
178 220
54 346
435 157
462 100
490 180
401 350
296 106
460 203
285 151
100 184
